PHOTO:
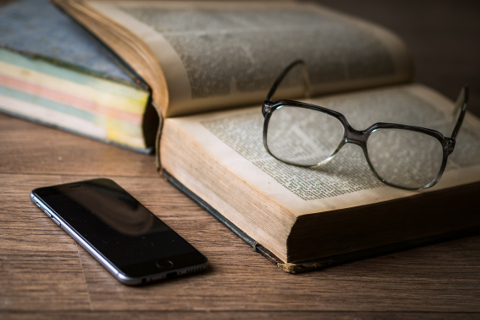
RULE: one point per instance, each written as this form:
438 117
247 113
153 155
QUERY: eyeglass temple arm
460 109
306 80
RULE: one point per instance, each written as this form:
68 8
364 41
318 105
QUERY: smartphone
118 231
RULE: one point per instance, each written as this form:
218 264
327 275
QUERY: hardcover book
210 65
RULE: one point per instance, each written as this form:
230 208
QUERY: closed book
54 72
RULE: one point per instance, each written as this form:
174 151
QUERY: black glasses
402 156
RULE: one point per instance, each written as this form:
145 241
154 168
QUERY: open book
210 66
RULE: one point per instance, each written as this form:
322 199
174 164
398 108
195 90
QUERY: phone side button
56 221
48 213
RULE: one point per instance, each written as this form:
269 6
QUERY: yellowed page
219 55
234 139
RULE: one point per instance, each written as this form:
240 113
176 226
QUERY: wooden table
45 274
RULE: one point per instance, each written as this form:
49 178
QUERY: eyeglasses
402 156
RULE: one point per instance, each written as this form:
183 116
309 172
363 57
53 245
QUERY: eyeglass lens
302 136
405 158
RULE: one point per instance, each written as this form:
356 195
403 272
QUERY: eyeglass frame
360 137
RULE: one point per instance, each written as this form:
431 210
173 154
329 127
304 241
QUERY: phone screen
119 227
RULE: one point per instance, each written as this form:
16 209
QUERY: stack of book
55 72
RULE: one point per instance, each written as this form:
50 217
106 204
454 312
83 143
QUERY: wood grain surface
44 274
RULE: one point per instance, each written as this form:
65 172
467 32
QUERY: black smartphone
117 230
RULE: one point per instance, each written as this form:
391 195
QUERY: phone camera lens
164 264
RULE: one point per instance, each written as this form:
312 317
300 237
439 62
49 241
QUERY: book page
234 139
219 55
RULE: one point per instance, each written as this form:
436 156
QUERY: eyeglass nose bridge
356 137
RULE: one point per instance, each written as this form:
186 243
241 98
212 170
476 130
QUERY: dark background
443 38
